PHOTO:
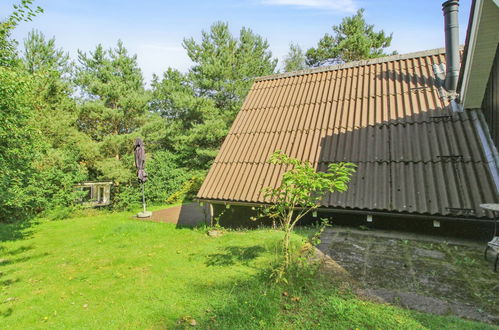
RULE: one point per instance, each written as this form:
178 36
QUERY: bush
164 176
126 197
59 213
53 184
189 189
19 146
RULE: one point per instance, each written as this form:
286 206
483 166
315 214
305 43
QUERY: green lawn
110 271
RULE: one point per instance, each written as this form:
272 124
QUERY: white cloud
348 6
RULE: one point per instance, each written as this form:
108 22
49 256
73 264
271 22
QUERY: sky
154 29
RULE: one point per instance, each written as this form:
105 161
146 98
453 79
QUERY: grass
110 271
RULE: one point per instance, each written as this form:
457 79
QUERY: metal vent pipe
450 9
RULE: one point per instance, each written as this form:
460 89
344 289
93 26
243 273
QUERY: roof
413 154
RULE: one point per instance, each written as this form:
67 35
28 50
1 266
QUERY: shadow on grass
234 254
9 261
20 250
6 283
16 230
12 232
7 312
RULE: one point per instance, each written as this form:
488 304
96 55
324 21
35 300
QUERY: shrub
189 189
59 213
301 191
126 197
164 176
53 184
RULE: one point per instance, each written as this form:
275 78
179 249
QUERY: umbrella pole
144 213
143 198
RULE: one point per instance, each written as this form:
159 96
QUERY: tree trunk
286 247
287 236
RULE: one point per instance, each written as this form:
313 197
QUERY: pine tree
224 66
295 59
353 40
42 54
60 163
113 106
195 127
199 107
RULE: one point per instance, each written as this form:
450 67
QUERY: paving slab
429 274
188 215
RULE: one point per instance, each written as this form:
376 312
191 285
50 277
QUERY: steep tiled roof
413 154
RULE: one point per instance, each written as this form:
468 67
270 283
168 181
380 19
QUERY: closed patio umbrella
140 160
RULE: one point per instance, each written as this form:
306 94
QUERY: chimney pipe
450 9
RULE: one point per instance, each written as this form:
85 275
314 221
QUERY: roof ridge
377 60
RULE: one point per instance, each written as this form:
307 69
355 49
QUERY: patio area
425 273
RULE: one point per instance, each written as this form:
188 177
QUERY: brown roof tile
413 154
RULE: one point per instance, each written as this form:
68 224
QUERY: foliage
23 12
114 99
315 239
101 105
58 213
295 59
57 172
126 197
41 54
353 40
112 109
188 190
165 177
194 126
215 221
224 66
301 191
20 144
41 157
59 165
50 67
174 98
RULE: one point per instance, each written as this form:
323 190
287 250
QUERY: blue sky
154 29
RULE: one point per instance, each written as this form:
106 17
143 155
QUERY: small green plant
305 266
215 221
315 239
300 192
466 261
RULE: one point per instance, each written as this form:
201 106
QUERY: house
478 85
423 134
